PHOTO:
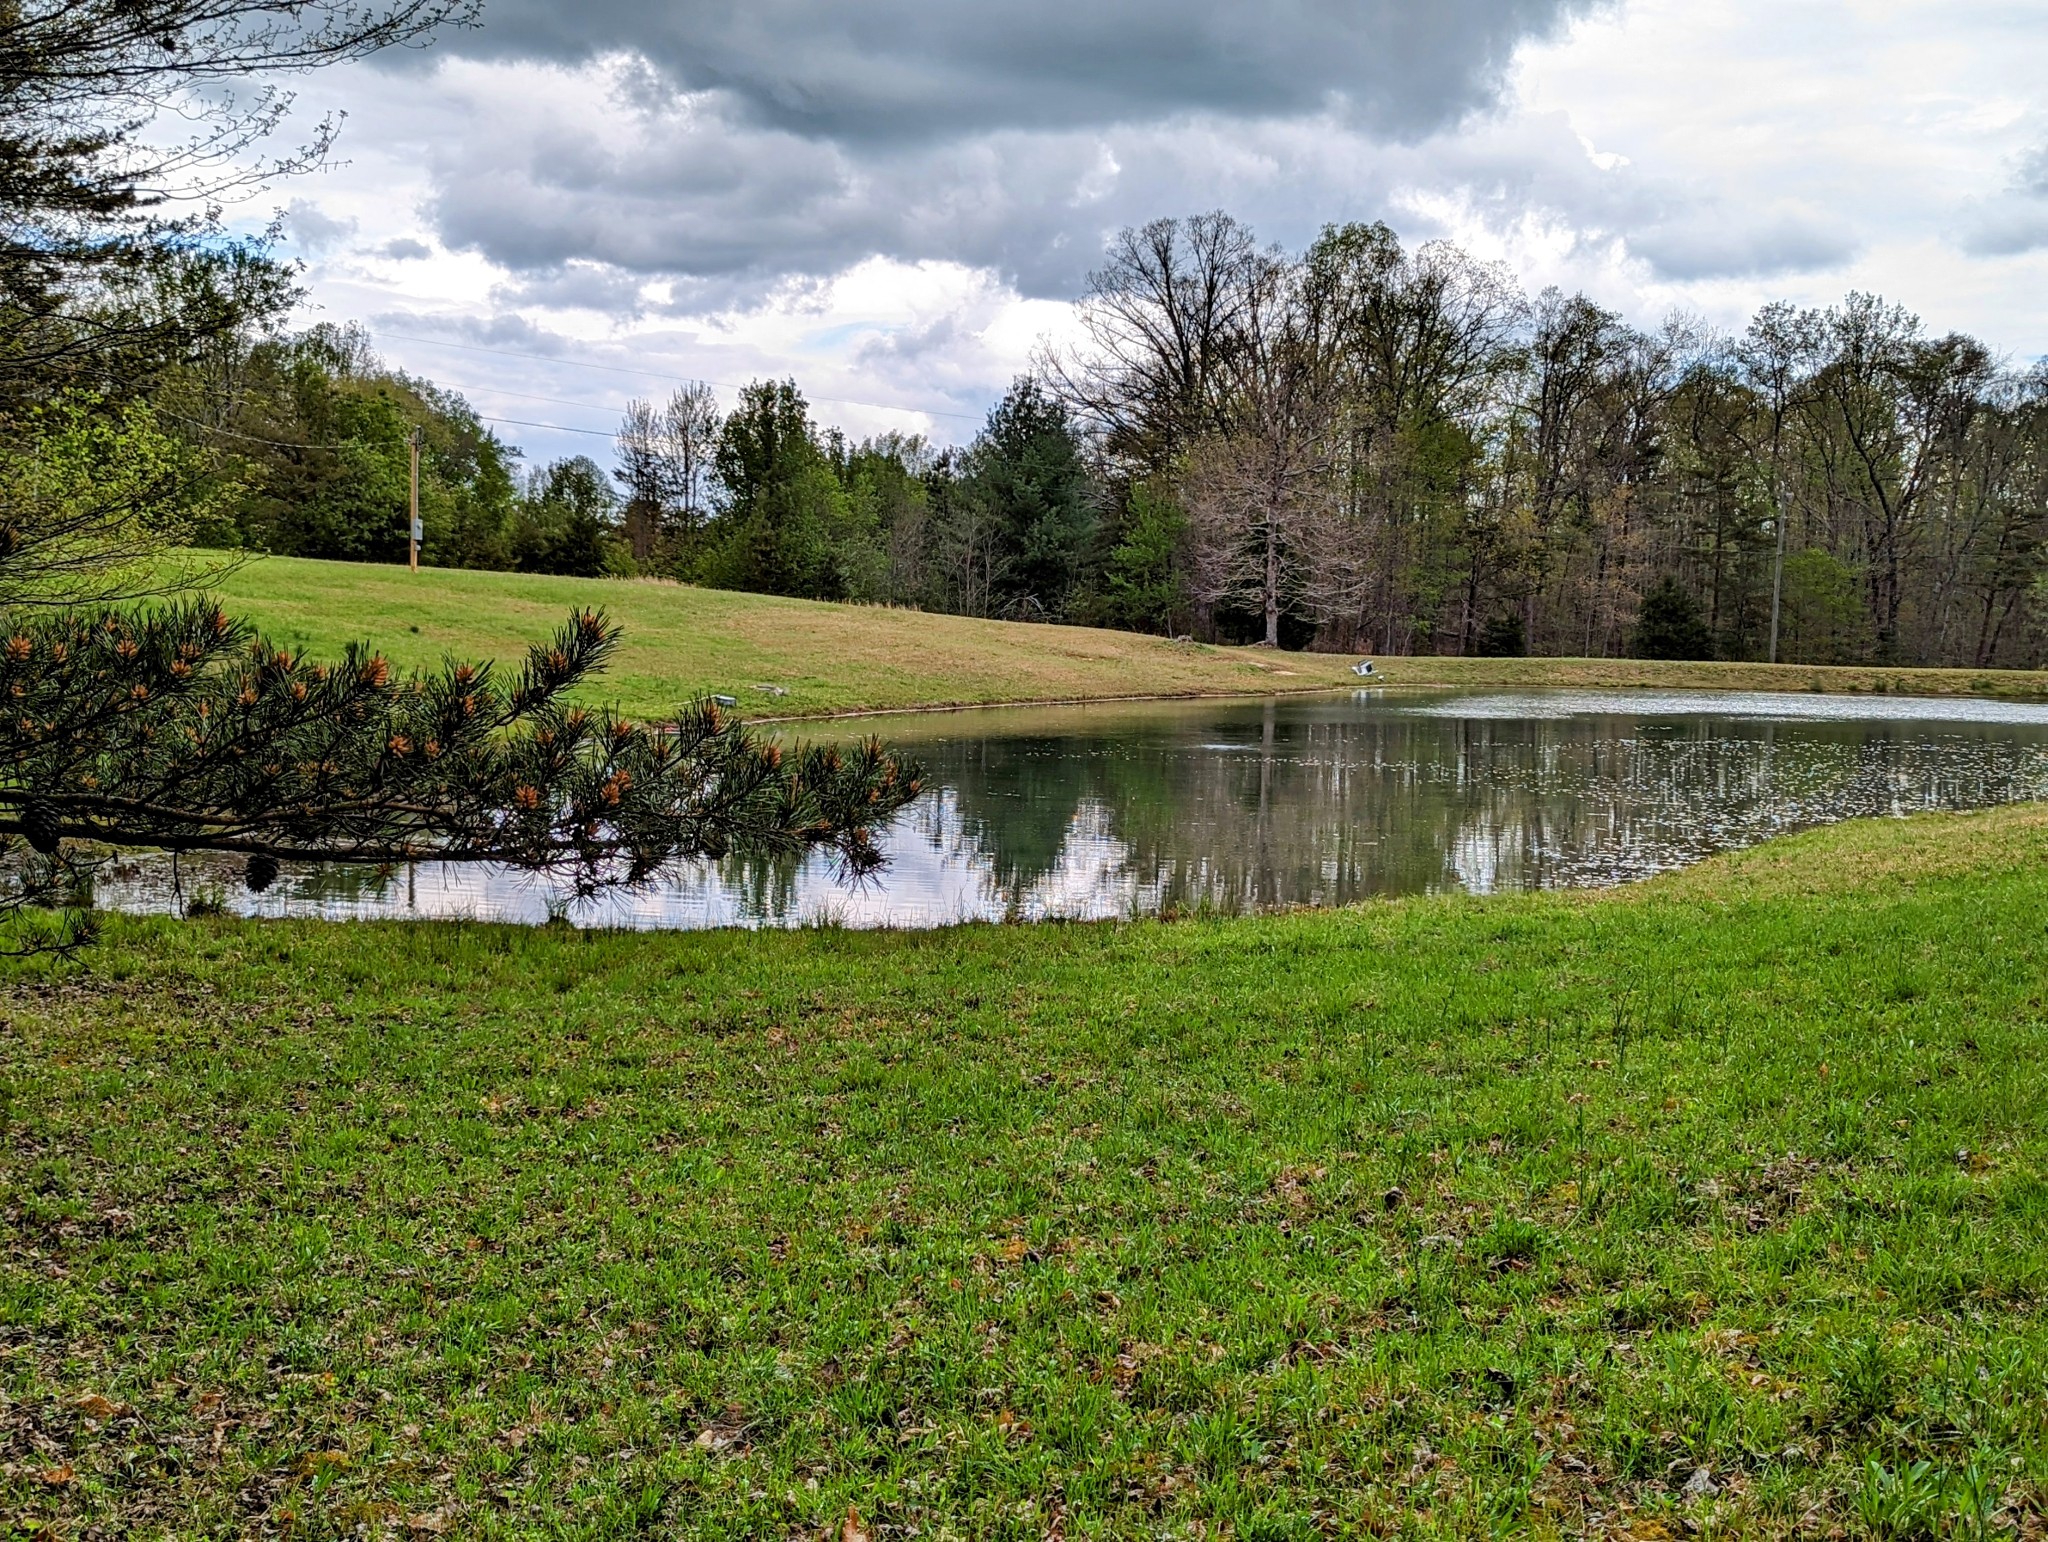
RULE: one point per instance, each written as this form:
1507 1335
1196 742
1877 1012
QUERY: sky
897 201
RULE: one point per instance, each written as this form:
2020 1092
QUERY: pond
1230 806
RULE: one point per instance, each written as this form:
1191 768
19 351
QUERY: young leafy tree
565 522
790 525
89 499
322 436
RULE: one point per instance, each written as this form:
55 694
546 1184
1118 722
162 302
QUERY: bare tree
1255 484
692 420
1159 317
1884 404
1423 340
665 456
1775 359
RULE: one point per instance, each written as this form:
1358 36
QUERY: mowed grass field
1716 1206
682 642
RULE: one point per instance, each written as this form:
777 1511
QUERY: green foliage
565 523
887 484
1030 481
1823 620
1670 626
1144 580
1898 1505
1865 1380
91 492
325 435
789 525
1503 637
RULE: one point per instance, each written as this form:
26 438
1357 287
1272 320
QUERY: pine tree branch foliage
180 729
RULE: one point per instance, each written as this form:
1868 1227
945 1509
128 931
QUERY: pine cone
39 824
261 872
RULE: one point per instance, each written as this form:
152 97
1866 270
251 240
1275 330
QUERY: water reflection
1123 810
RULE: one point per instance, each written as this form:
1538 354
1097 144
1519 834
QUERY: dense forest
1360 447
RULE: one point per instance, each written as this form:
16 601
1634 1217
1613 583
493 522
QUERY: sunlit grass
682 642
1715 1202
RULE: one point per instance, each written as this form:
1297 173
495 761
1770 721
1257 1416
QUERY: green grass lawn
681 642
1712 1206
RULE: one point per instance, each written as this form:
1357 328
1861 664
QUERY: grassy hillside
836 658
1717 1205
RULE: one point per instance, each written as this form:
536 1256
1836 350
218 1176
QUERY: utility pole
415 531
1777 575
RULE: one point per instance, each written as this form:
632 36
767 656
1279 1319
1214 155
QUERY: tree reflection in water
1129 810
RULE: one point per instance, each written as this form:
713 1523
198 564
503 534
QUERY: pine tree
175 727
1670 626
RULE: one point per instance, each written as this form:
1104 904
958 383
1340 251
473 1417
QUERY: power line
649 374
281 444
559 428
528 396
287 444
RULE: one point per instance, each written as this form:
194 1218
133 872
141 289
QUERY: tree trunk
1272 584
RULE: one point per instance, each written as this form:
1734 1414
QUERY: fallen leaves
94 1406
719 1437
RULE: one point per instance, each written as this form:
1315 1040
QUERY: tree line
1363 446
1373 447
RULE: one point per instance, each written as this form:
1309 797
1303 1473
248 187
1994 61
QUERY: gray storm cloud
896 70
747 145
732 150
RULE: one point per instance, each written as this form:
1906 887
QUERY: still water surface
1122 810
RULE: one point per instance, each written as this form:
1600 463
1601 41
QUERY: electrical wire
229 433
559 428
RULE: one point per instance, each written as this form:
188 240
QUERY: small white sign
419 531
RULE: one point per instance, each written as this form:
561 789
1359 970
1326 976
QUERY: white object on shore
1362 668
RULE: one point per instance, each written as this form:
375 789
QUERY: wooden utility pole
414 532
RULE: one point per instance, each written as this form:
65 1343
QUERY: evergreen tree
789 526
1670 626
1503 637
1144 581
1030 476
177 728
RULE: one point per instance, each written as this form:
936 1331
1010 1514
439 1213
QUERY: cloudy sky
894 200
